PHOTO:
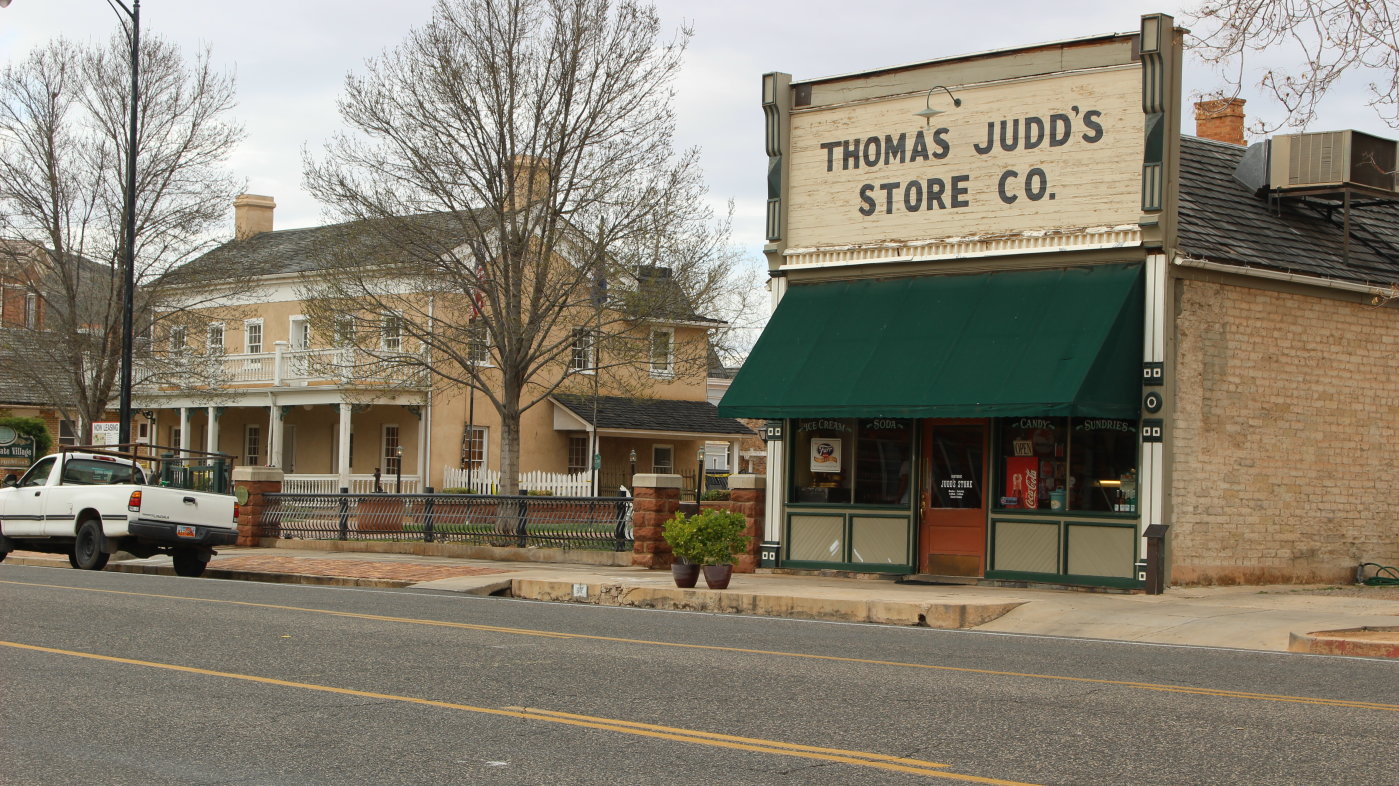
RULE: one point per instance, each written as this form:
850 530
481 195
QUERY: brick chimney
252 215
529 181
1221 120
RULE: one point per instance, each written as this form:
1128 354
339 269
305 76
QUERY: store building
1017 315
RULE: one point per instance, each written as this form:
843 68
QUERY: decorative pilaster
748 496
250 486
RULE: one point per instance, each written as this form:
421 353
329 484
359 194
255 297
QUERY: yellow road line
858 758
1185 689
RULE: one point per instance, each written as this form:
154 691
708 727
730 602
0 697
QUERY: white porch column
735 461
423 448
274 435
279 356
184 429
342 461
211 441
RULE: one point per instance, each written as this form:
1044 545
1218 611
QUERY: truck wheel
188 563
87 549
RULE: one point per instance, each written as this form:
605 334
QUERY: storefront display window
1063 464
1104 452
839 461
1034 465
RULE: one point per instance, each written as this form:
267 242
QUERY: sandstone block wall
1285 438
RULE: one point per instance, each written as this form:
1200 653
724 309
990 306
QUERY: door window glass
38 474
958 454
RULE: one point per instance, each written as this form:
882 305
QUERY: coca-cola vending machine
1022 482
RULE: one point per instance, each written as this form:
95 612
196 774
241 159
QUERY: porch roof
622 413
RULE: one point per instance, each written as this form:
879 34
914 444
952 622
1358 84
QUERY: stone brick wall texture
652 507
1285 438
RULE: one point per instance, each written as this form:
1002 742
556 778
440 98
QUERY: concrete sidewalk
1263 618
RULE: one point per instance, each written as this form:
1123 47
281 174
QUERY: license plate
185 531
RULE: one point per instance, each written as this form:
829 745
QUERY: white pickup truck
90 502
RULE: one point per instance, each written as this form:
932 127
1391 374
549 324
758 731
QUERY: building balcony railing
284 367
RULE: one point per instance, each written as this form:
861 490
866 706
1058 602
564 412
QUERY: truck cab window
38 474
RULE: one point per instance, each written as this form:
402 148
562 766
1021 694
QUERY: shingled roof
1221 220
285 251
649 414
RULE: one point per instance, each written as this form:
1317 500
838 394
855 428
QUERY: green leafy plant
710 537
716 495
31 427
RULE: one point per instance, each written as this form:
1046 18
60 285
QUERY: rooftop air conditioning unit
1332 159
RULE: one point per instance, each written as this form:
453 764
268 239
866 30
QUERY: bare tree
63 141
515 207
1331 39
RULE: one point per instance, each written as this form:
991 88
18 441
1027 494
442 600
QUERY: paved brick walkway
346 568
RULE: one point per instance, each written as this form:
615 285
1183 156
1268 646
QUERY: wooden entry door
952 533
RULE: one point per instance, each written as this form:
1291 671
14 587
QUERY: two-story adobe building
285 391
1019 320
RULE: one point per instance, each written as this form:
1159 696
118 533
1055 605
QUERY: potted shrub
679 532
708 539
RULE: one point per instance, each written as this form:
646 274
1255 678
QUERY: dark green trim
1064 578
1068 515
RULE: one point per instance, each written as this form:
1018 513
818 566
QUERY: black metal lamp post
133 13
632 457
398 468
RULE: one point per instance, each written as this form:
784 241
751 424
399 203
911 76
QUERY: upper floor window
662 352
215 343
343 332
252 336
177 338
393 332
300 333
31 310
478 345
583 351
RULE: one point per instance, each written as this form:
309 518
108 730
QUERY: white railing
359 484
487 481
284 367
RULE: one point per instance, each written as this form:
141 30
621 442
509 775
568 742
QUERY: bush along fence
507 521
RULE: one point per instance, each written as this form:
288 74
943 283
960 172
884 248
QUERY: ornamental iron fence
584 523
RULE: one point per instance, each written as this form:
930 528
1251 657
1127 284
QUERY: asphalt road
121 678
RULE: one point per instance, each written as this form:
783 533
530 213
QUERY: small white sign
580 590
106 432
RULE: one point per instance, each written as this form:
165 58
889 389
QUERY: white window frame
390 437
31 311
656 466
343 331
299 332
178 339
174 436
69 432
484 434
391 341
666 370
248 329
252 445
478 349
219 329
582 352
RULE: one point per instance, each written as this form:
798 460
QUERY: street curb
220 573
1336 642
735 601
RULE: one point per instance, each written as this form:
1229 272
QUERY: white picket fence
487 481
359 484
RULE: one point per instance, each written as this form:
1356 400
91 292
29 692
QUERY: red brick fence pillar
748 495
656 498
249 485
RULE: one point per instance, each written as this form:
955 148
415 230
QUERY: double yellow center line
733 742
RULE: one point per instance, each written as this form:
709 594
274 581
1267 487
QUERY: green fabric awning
1015 343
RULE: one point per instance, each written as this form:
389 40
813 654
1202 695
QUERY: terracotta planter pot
717 576
684 573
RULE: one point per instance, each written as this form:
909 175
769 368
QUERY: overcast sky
291 56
